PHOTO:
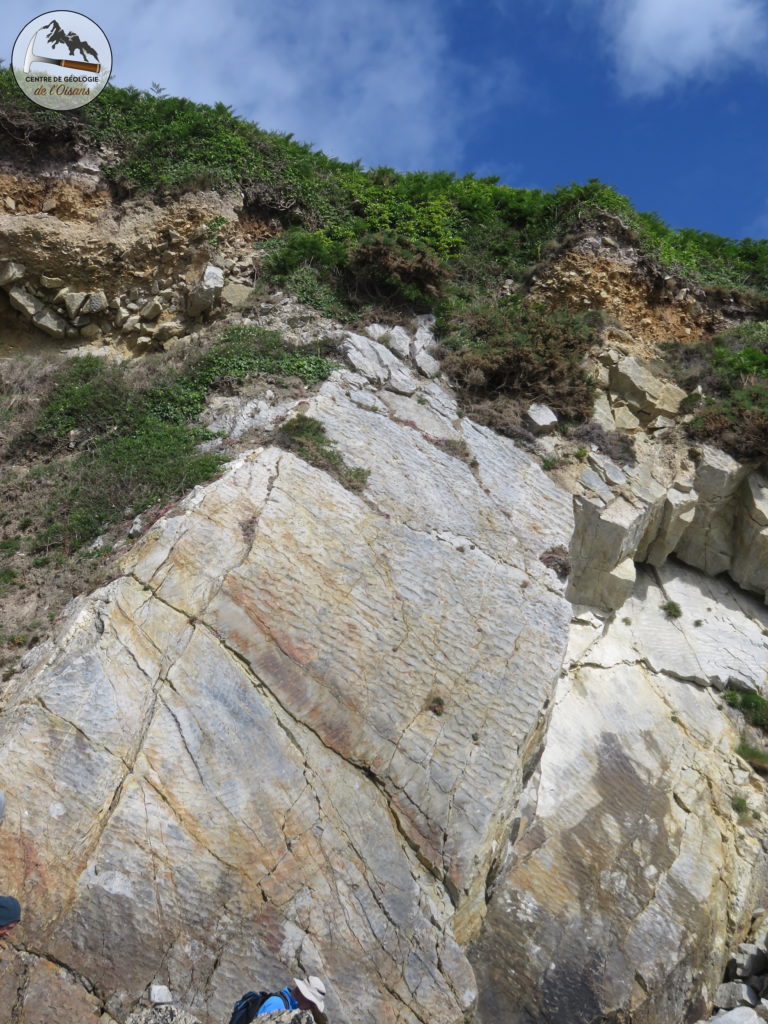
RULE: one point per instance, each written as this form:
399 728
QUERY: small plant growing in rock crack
581 454
754 756
627 621
550 462
752 705
740 805
672 609
436 705
558 559
306 437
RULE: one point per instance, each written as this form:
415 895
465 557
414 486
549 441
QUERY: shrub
753 706
504 348
753 755
732 371
672 609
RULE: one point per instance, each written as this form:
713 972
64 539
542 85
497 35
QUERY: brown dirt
92 242
609 282
66 200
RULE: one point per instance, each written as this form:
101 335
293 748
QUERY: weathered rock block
207 292
708 542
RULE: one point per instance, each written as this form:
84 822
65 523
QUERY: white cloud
656 44
365 80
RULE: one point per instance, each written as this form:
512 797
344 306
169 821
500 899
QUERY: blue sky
664 99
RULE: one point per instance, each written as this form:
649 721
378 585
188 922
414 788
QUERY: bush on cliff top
371 242
478 231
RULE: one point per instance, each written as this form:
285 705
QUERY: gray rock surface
734 993
539 418
630 862
204 295
294 731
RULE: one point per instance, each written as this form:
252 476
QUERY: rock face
631 866
713 516
304 729
292 735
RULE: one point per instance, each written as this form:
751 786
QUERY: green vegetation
137 446
732 371
753 755
672 609
740 805
503 348
752 705
307 438
371 235
212 227
361 243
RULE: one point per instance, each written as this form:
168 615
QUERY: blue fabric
276 1003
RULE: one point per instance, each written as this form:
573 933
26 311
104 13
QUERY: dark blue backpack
246 1008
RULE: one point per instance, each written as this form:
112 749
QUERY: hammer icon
77 65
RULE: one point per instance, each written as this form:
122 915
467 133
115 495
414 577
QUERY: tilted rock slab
292 735
632 868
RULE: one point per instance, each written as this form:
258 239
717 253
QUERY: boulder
539 418
151 309
624 419
650 396
90 332
159 994
734 993
422 345
378 364
95 302
11 272
51 323
602 413
748 959
396 339
708 542
740 1015
603 542
749 567
207 293
25 302
237 295
73 301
